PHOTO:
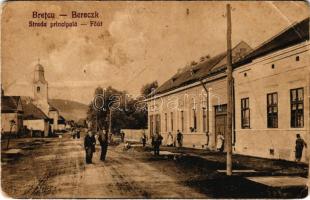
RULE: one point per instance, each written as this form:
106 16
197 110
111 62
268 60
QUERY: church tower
40 87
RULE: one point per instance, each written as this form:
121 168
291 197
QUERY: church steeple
39 73
40 88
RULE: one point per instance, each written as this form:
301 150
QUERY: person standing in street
157 142
169 140
179 138
103 140
143 139
122 136
220 142
73 132
299 146
89 145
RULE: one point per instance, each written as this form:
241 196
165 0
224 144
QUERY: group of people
75 133
90 142
157 141
171 141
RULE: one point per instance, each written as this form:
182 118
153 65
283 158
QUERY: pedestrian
78 133
300 144
207 139
143 139
103 140
220 142
169 140
157 140
179 138
89 145
73 133
122 136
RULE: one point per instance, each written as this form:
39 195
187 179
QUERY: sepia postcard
155 99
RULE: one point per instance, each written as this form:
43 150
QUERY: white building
34 118
271 98
272 88
11 114
40 99
181 103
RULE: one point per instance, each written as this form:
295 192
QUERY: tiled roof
203 69
52 108
31 111
61 120
294 34
9 103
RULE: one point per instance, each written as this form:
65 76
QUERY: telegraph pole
229 96
110 121
308 136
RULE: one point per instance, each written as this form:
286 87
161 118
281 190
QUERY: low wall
191 140
134 134
275 144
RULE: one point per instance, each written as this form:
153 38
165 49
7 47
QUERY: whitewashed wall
260 80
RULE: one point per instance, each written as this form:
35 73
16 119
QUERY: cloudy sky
138 43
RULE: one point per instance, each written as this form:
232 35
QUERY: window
38 89
171 121
182 120
297 58
245 113
204 119
194 120
166 122
157 123
272 110
151 124
297 108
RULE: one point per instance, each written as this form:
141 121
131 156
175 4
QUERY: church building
40 98
31 113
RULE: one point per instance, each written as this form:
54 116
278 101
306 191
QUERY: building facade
34 118
40 97
11 115
272 96
182 103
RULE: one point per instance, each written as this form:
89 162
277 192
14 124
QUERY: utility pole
110 121
308 136
96 121
229 96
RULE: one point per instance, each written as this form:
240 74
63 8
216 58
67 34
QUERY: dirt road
56 169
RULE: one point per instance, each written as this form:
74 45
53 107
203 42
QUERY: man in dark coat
103 140
300 144
122 136
143 139
89 145
179 138
157 140
78 132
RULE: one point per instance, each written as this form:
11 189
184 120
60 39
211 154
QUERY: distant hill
70 110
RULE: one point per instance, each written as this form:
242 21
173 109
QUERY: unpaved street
55 168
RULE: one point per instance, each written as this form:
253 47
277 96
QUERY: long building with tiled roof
270 89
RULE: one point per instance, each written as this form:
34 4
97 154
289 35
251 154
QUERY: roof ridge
278 34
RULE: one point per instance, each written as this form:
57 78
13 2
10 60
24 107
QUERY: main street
56 168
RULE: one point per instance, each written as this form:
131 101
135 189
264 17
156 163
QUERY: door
220 122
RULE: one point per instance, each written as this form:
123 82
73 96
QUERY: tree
125 112
12 124
148 88
193 63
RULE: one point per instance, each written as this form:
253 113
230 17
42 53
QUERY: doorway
220 122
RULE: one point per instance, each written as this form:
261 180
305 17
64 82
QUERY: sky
139 42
